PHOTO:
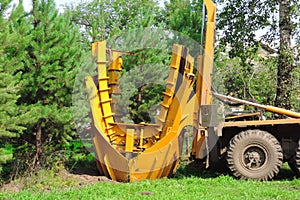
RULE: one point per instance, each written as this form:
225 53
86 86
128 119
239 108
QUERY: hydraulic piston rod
272 109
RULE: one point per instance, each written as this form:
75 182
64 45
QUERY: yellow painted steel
99 51
95 107
204 77
208 59
171 84
114 74
131 152
283 111
129 140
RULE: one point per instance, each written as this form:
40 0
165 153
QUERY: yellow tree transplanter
254 147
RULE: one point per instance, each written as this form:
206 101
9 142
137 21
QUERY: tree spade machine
252 147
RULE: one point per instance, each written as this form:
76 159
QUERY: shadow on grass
285 174
86 165
197 169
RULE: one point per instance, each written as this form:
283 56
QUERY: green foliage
146 109
295 100
222 187
105 19
241 20
143 79
255 82
77 155
100 20
50 64
11 48
184 17
142 89
40 55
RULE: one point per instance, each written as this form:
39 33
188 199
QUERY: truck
251 146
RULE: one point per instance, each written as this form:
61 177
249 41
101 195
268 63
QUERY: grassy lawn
222 187
185 185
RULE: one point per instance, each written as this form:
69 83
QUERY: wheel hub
254 157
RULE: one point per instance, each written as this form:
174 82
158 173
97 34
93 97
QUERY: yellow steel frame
130 152
204 78
154 143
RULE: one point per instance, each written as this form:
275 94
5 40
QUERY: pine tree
184 17
99 20
105 19
142 84
50 66
11 49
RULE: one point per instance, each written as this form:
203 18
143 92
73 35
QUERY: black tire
254 155
294 163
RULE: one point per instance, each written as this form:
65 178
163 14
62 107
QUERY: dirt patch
62 179
84 179
11 187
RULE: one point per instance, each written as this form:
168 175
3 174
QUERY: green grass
222 187
189 183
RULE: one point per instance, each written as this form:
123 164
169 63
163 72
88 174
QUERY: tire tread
267 137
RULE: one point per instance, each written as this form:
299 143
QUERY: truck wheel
254 155
294 163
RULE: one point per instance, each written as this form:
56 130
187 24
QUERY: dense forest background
43 49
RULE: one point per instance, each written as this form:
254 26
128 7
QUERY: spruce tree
50 66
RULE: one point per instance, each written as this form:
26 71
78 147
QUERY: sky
59 3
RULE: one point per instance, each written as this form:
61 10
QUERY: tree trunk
38 144
34 11
285 59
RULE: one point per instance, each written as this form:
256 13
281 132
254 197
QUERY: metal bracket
209 115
